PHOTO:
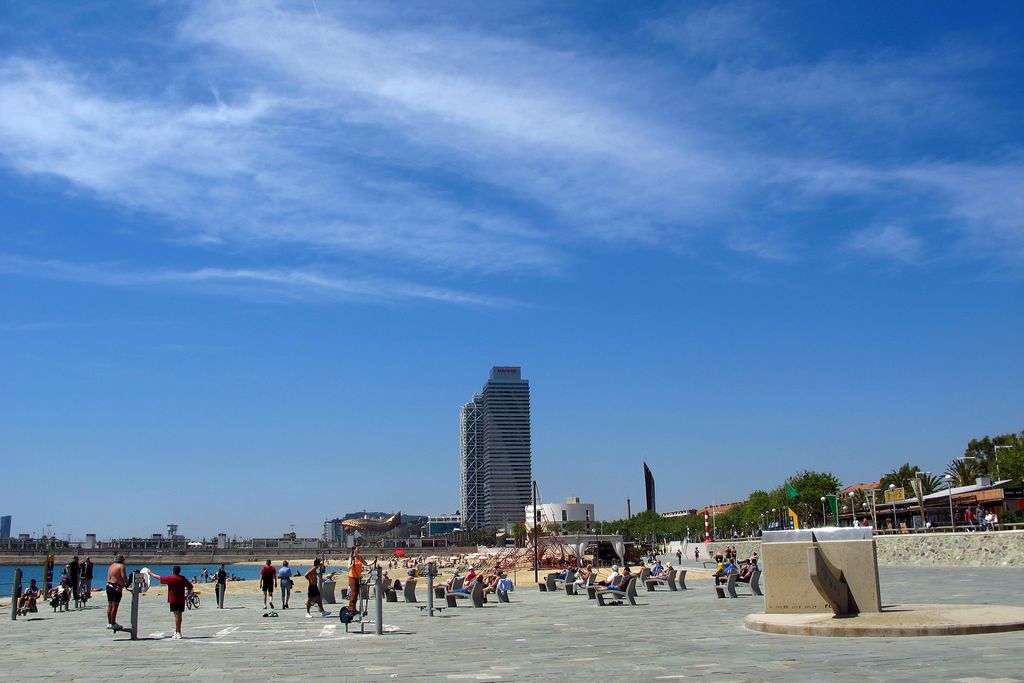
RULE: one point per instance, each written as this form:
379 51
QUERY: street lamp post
949 487
823 510
895 524
853 507
995 456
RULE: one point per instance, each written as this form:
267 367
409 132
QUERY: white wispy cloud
396 141
268 285
888 241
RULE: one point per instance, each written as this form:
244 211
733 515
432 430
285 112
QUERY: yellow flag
796 520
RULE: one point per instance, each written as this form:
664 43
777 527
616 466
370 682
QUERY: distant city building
553 514
5 528
649 489
333 533
496 467
471 463
438 525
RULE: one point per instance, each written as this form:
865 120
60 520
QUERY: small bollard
431 571
378 599
15 594
138 582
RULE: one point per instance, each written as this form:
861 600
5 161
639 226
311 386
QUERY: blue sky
254 256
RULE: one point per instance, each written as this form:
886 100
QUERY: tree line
998 457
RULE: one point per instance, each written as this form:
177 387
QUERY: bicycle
192 600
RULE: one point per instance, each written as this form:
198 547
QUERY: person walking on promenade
696 553
268 581
284 579
313 592
679 556
355 574
221 577
116 581
87 577
206 575
176 587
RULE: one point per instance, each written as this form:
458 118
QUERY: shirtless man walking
313 592
116 581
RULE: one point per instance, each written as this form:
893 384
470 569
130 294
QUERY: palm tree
930 483
899 476
964 472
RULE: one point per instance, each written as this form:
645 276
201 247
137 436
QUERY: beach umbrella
399 552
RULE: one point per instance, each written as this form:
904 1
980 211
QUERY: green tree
519 533
810 487
574 527
998 457
1010 457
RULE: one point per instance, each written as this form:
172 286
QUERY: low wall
975 549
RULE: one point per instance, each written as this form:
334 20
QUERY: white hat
615 567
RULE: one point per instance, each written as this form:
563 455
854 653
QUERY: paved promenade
538 637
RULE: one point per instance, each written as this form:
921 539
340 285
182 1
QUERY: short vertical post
378 599
15 594
430 589
137 583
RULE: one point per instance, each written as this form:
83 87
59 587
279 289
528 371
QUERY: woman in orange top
355 573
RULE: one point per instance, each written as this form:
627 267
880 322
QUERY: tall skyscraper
5 528
496 465
472 464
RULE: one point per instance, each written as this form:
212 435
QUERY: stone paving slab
538 637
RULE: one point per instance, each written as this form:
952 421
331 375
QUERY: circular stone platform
896 621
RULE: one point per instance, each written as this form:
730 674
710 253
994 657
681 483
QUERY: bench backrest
478 594
409 590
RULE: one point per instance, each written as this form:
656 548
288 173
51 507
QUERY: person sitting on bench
505 584
613 578
27 601
450 584
583 575
658 569
721 576
60 595
626 576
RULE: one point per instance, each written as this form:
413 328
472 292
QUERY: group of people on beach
493 580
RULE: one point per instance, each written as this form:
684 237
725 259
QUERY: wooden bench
477 596
615 595
670 581
409 590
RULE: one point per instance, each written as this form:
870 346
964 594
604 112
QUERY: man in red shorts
176 587
268 579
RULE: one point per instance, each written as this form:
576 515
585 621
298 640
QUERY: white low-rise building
572 510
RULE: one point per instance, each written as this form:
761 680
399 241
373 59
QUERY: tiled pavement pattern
538 637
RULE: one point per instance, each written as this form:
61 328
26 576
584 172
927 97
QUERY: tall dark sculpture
649 487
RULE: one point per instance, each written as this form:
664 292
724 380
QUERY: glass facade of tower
496 451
